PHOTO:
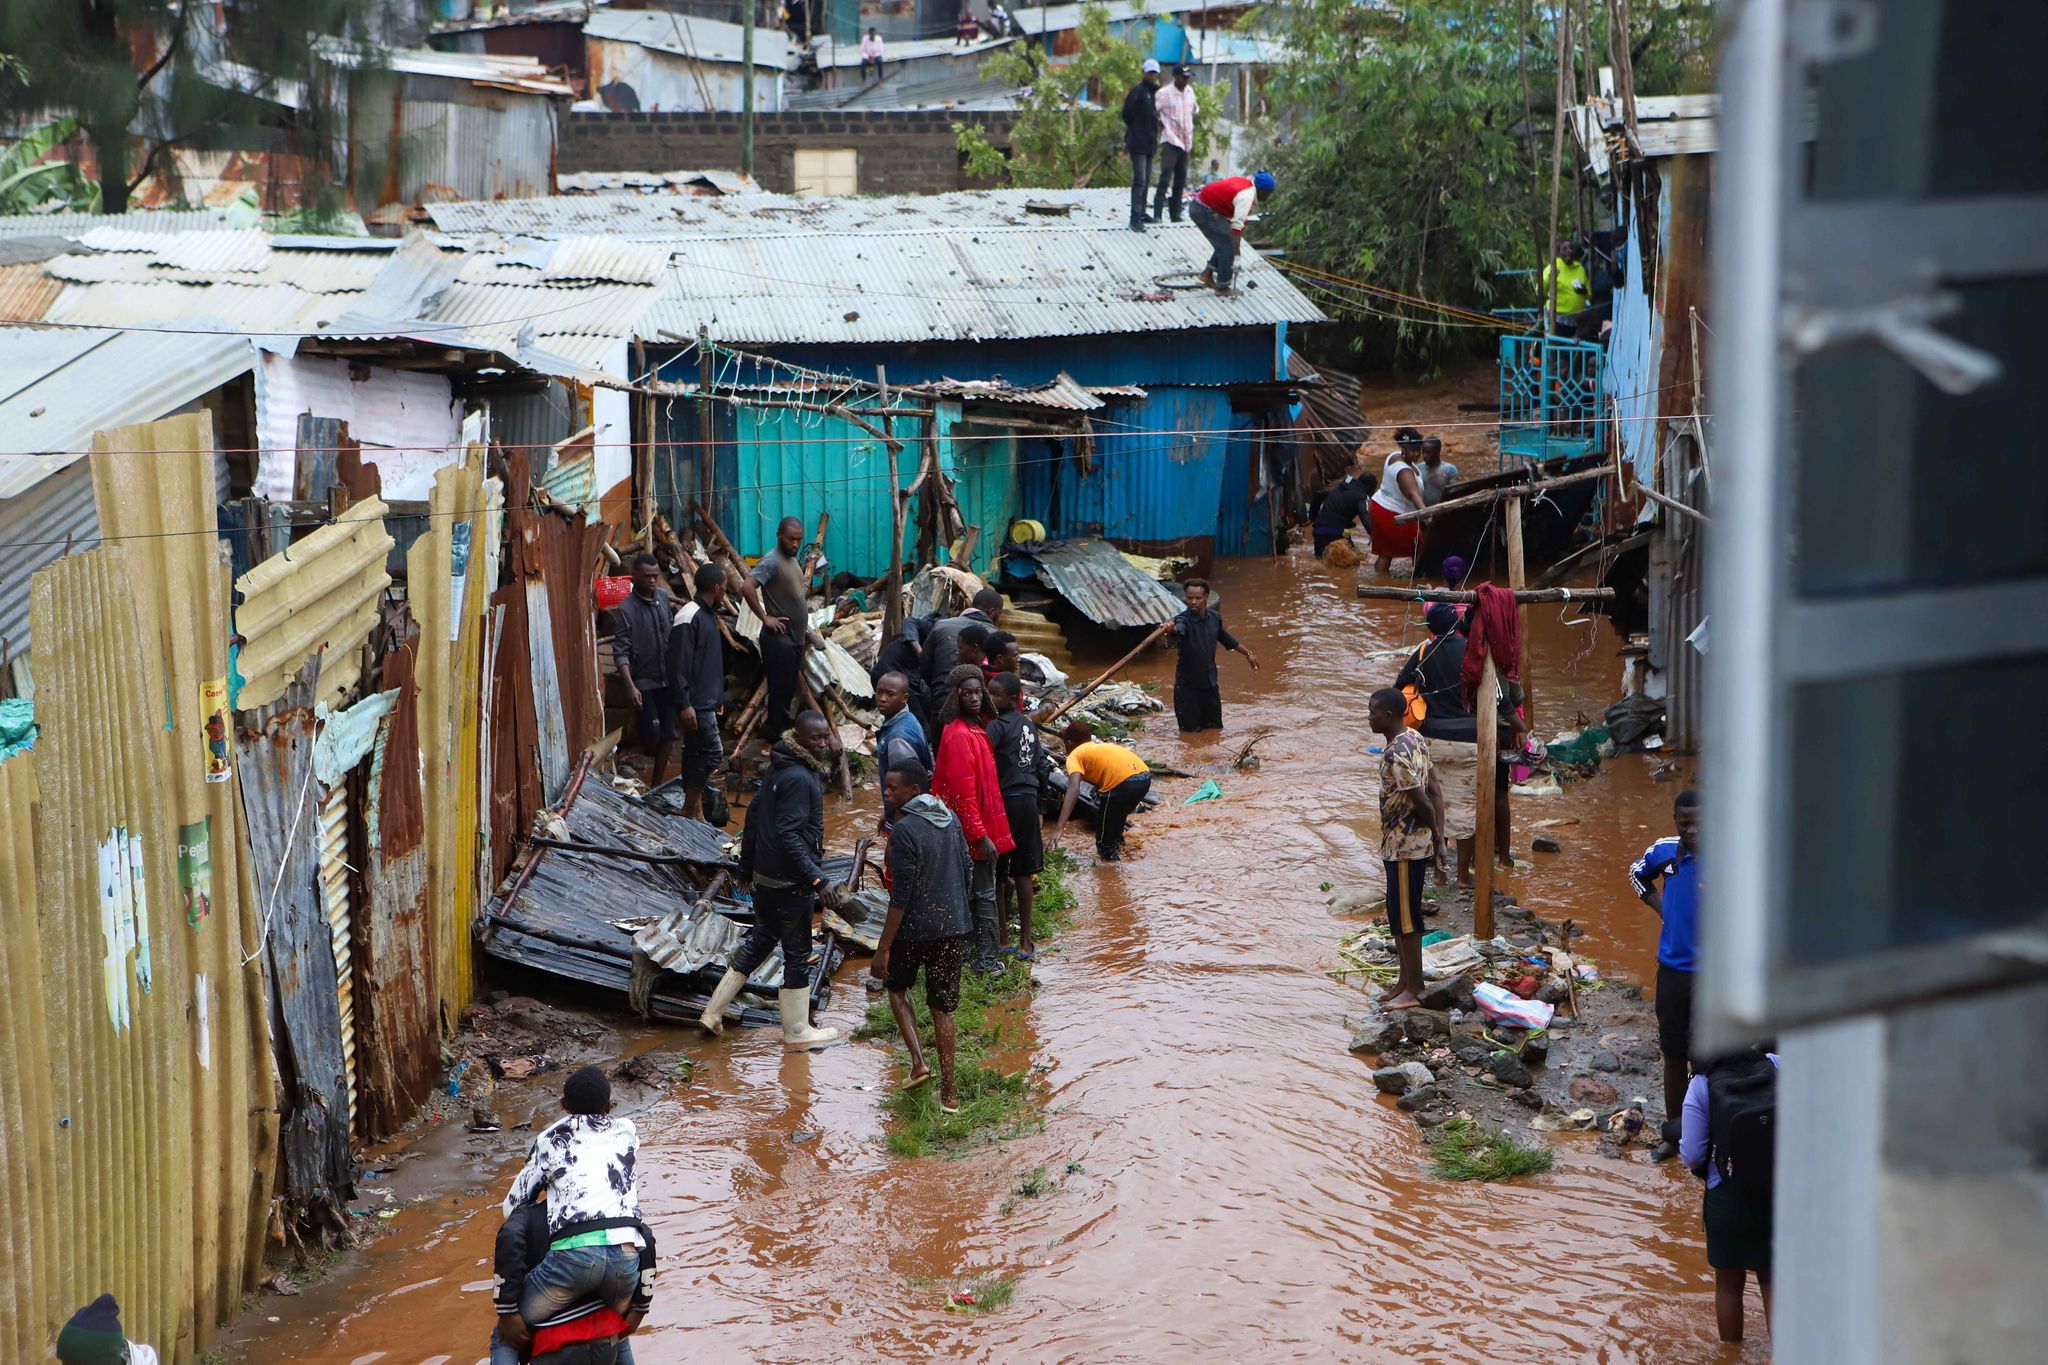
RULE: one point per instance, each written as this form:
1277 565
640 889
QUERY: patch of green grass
1462 1150
982 1296
1114 727
1035 1182
994 1106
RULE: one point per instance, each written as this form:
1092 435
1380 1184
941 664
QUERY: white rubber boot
713 1017
796 1021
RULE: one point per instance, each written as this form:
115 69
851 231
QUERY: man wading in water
930 880
1197 696
1411 837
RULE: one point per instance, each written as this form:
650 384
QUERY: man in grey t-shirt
781 589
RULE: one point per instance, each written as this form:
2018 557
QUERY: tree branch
170 51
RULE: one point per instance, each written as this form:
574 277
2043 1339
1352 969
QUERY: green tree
28 181
1069 128
156 73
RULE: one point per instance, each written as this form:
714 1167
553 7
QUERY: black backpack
1742 1121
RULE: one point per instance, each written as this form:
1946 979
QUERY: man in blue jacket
1672 861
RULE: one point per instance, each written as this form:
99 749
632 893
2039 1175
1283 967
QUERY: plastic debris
1504 1007
1208 791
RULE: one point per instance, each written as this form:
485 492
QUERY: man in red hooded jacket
964 777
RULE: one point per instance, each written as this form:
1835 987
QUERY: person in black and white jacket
522 1243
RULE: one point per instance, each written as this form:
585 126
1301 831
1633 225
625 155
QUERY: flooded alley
1223 1176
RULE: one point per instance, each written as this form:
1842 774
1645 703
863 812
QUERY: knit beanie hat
93 1336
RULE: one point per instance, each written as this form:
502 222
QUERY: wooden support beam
899 502
1518 582
1482 805
1513 490
1392 594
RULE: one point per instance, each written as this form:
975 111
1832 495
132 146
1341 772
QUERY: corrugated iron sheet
280 803
26 292
606 259
704 40
202 252
336 895
800 465
34 529
319 596
235 308
37 1263
153 484
78 224
1107 588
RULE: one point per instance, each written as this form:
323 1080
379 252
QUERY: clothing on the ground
1678 943
1232 198
1455 766
1197 634
1405 880
1574 291
781 658
1405 778
1117 805
1436 480
1394 539
696 657
1021 760
1141 119
784 840
1105 766
1171 192
654 724
1222 241
1141 185
785 590
640 638
930 876
1177 109
901 737
940 958
1674 1013
965 779
1342 504
942 643
1027 835
1738 1230
1197 707
523 1240
1434 668
585 1163
782 916
703 750
1390 494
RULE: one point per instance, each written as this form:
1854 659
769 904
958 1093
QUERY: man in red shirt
1220 210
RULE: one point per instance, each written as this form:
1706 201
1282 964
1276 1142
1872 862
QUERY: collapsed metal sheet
1093 574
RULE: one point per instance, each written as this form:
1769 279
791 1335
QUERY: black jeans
782 914
1214 226
781 656
1117 804
1141 180
1197 706
1173 165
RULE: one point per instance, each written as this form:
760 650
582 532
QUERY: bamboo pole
1071 702
1513 490
1482 806
1392 594
1518 582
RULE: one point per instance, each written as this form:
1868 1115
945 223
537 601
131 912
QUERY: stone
1507 1068
1421 1097
1528 1099
1536 1050
1471 1051
1431 1118
1604 1060
1588 1090
1545 843
1399 1080
1518 912
1426 1026
482 1120
1378 1033
1452 993
1553 992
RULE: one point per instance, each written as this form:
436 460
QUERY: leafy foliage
30 181
1069 130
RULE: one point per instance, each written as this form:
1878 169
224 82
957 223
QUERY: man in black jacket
1021 763
780 854
697 674
929 921
942 641
522 1242
1141 138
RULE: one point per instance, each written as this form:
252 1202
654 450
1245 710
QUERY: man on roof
1220 210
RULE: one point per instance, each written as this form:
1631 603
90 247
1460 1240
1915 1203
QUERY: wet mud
1226 1181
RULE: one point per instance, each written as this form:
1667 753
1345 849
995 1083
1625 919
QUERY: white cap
1151 65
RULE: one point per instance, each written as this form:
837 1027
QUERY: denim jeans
1141 181
1216 228
503 1354
982 889
607 1274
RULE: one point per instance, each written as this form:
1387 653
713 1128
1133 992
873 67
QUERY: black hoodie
784 839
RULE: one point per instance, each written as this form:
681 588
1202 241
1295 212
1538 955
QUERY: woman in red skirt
1400 491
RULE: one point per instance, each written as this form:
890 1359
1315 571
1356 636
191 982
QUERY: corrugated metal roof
607 259
238 308
706 40
1106 587
1065 393
311 272
26 293
524 74
664 217
319 596
58 387
78 224
954 90
894 50
209 252
563 12
598 182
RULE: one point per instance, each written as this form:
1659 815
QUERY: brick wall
902 151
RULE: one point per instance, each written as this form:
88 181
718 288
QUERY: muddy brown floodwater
1242 1193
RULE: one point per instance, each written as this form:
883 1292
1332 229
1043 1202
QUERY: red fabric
1221 195
964 777
590 1327
1496 627
1394 539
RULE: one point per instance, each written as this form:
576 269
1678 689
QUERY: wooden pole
1071 702
1482 805
707 431
1513 490
1518 581
1392 594
899 502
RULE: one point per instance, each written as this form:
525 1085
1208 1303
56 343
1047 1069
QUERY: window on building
827 170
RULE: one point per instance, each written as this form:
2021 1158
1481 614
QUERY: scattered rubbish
1436 936
482 1120
1208 791
1545 843
1503 1006
455 1078
1543 785
518 1068
1579 1120
803 1135
1450 957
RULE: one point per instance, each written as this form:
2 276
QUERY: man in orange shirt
1120 778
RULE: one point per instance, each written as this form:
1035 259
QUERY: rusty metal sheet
321 596
516 795
398 1045
280 804
1092 574
153 483
339 901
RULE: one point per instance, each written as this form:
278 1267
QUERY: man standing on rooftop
1177 107
1141 137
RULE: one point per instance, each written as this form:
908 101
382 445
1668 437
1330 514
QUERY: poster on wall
213 720
195 870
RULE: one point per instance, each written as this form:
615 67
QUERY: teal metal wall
982 461
797 464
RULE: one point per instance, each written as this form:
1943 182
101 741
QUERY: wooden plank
1513 490
1518 582
1483 823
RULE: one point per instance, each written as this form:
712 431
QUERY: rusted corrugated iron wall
116 984
281 808
155 484
28 1288
562 553
397 1046
515 795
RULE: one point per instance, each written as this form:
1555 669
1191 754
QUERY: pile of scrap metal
620 895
